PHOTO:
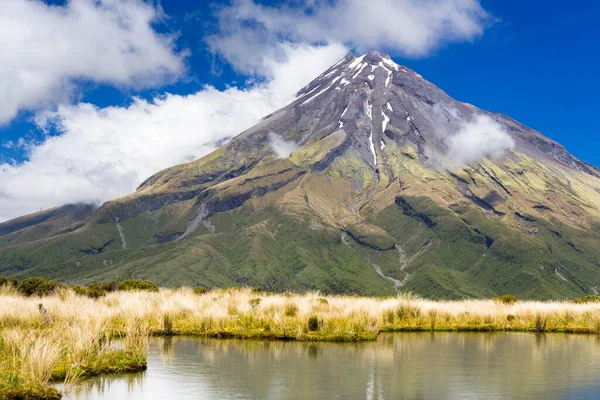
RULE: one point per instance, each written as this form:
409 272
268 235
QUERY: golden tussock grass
109 335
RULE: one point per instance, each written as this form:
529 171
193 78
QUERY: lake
396 366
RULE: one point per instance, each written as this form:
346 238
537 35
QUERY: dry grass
81 338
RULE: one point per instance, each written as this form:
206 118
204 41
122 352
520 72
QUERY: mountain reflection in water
401 365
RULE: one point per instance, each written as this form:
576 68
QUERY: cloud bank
411 27
104 153
47 50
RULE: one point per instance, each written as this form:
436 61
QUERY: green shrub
112 286
96 291
80 290
8 281
200 290
587 299
506 299
93 291
137 284
37 286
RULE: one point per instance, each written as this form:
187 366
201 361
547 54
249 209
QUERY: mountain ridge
362 204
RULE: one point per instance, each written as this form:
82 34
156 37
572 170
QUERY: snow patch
331 73
359 71
382 145
391 64
356 61
316 95
384 67
307 93
345 109
389 107
328 86
344 81
369 111
371 77
341 125
386 119
372 147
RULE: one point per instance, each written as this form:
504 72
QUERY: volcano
372 181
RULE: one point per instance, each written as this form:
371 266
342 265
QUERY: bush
587 299
37 286
506 299
79 290
4 281
137 284
93 291
112 286
96 291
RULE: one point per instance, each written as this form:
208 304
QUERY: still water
396 366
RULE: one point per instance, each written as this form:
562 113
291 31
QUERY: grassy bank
78 335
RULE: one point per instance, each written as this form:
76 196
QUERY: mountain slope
376 197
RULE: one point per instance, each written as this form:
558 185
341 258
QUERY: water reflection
408 365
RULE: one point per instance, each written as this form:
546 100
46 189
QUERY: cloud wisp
48 50
282 148
477 139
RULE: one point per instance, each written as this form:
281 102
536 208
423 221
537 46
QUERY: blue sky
535 61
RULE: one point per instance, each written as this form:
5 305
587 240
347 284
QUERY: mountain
371 181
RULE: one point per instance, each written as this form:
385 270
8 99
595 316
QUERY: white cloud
104 153
282 148
477 139
412 27
47 49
